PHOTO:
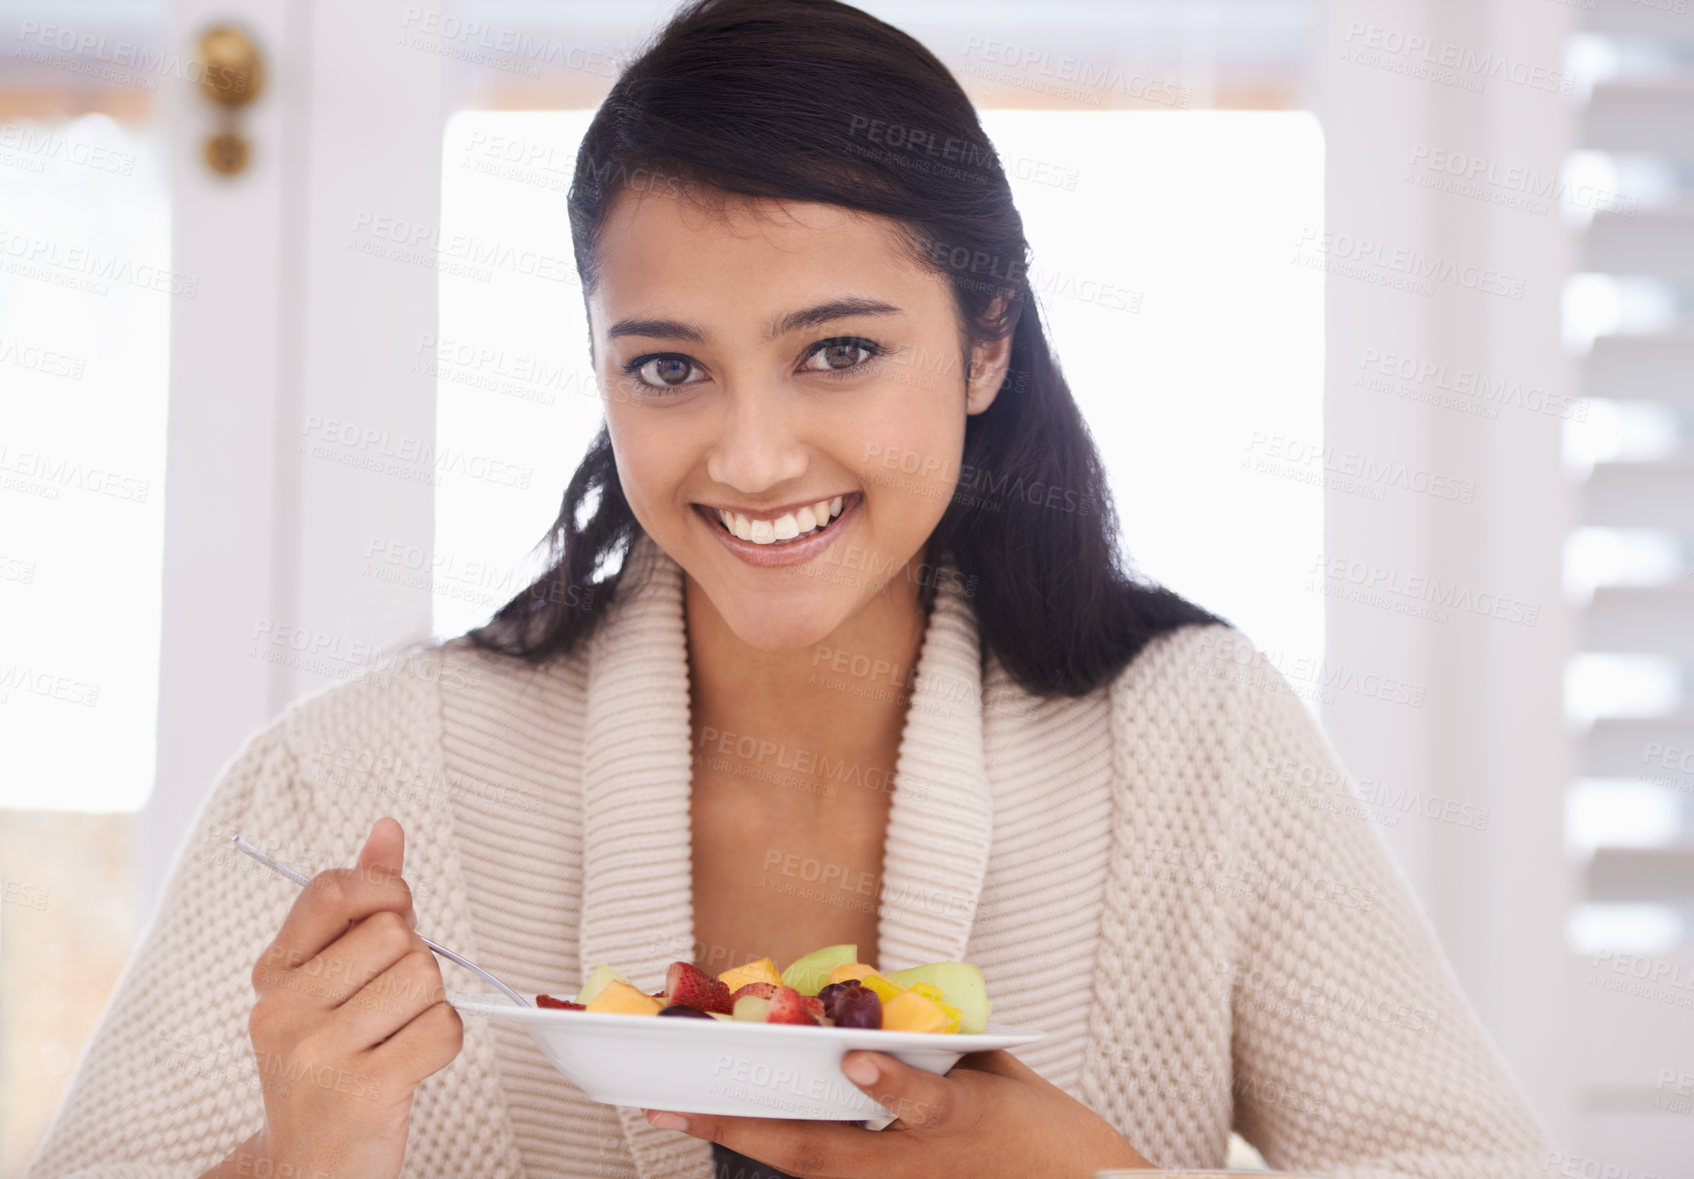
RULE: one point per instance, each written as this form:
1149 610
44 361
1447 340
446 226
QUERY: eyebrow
670 329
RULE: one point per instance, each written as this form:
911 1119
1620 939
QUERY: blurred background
1381 311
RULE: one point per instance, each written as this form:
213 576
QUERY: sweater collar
637 911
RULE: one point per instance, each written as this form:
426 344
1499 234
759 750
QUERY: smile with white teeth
790 526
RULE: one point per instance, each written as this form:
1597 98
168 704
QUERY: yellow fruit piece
929 990
911 1012
851 970
764 970
884 989
619 998
954 1015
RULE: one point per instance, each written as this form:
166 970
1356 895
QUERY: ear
989 362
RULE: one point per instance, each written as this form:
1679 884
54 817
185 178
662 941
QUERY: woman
844 514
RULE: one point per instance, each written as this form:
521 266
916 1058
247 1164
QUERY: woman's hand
351 1016
991 1116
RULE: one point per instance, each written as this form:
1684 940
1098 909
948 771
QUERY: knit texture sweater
1165 875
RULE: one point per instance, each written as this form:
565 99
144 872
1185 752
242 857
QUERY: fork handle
283 869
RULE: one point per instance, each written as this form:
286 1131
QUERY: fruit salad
826 988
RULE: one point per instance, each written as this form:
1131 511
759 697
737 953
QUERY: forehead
749 257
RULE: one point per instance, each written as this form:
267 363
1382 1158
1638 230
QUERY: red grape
856 1007
684 1009
827 995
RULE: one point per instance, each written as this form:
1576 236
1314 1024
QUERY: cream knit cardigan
1163 875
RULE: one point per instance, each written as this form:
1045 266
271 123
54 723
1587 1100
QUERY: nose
758 446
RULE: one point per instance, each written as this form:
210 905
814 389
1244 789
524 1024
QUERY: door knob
232 76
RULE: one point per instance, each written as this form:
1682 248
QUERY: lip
794 552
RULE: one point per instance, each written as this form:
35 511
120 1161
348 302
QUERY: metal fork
299 878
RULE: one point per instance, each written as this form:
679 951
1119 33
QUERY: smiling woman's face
786 397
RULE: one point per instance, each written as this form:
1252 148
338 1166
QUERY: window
83 366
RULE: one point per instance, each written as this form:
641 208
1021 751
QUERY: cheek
650 466
908 459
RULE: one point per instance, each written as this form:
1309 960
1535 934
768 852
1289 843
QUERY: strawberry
763 990
692 987
790 1006
561 1004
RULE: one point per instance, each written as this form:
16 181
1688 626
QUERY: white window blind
1629 313
1632 307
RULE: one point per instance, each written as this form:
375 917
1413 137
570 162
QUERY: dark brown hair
814 100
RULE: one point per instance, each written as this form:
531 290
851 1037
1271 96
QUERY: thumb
384 853
918 1099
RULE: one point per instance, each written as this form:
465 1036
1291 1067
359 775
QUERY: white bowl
722 1066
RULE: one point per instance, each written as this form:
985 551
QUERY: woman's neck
846 694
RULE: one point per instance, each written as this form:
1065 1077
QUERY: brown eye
842 355
668 371
839 355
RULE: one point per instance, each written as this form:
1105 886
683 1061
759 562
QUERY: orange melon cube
619 998
911 1012
852 970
